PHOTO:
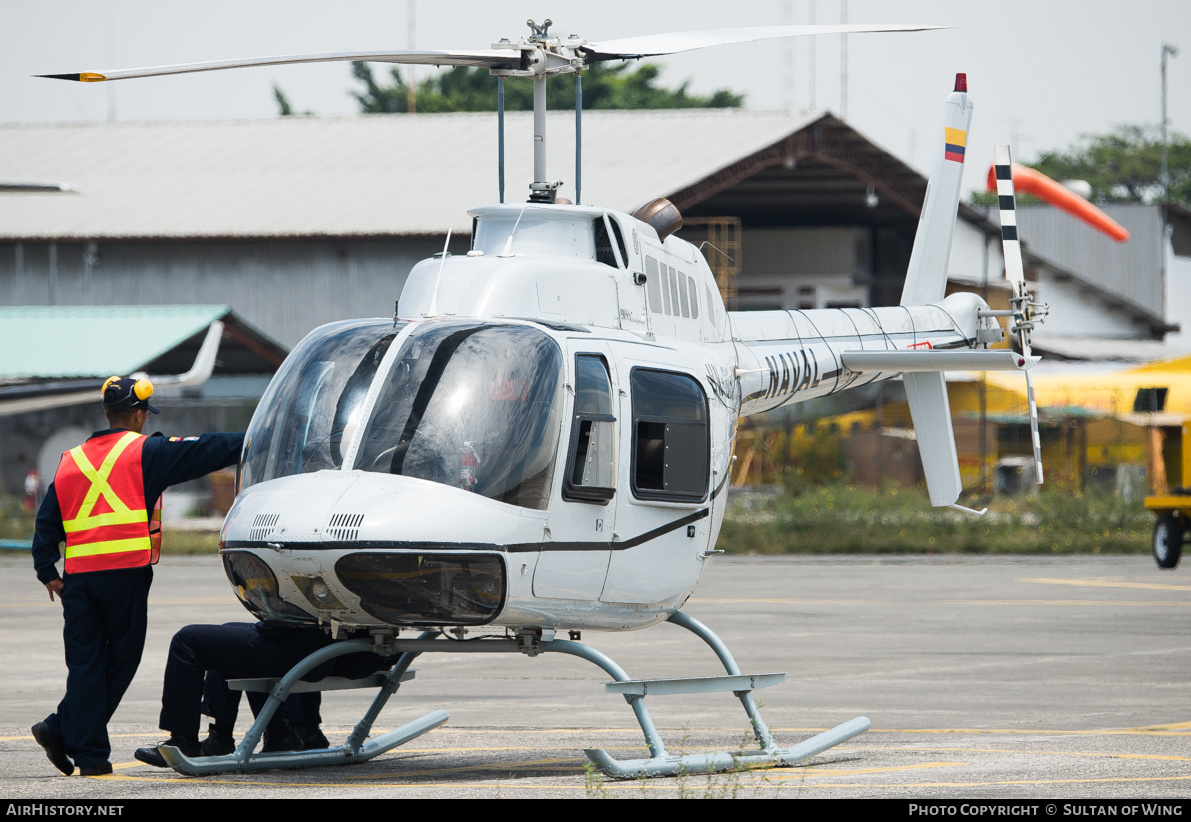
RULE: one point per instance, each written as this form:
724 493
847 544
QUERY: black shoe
152 756
217 743
55 748
102 769
282 739
312 736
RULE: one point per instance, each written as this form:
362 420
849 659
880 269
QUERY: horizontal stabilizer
914 361
931 412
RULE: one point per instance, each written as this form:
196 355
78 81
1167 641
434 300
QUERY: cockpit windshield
537 234
473 406
312 408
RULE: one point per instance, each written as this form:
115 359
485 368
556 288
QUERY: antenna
433 309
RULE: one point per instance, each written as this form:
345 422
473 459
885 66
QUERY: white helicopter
539 440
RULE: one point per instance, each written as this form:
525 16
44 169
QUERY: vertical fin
926 277
926 283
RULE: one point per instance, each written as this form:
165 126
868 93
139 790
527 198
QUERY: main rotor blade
486 58
654 45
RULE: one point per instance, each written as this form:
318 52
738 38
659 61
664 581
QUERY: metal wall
1133 270
283 287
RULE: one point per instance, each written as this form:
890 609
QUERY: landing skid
660 762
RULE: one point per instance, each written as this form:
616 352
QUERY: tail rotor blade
1034 427
1015 274
1007 202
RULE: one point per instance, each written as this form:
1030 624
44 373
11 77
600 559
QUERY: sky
1041 73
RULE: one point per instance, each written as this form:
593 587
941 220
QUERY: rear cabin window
670 291
671 442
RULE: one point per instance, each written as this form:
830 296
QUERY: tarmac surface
997 678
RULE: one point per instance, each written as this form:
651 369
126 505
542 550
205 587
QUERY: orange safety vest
101 491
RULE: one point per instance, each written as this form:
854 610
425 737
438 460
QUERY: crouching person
237 651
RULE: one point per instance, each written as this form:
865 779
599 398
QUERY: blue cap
122 393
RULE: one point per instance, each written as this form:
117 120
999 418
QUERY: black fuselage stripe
516 548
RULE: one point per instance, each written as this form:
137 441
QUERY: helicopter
538 442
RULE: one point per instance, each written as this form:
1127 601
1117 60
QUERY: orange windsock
1062 198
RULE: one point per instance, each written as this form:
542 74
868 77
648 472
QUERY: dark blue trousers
239 650
106 614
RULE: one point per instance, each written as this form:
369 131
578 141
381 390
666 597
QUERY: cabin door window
591 462
671 444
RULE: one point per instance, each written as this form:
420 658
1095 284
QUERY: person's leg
81 718
126 620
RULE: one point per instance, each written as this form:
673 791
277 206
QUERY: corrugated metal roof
350 176
86 341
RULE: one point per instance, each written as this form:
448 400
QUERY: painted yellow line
811 770
564 764
1067 603
1100 781
1159 757
1156 730
1170 729
1013 602
750 780
1106 582
787 601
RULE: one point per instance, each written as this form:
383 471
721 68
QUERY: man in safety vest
105 504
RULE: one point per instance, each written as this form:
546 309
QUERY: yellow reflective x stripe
111 546
120 513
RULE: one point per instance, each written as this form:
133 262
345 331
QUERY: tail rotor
1026 312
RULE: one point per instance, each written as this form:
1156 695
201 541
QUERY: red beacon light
961 82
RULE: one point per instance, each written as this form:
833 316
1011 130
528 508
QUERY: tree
605 86
283 105
1123 166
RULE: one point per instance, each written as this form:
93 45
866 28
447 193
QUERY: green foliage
988 199
283 105
845 519
1124 166
15 521
605 86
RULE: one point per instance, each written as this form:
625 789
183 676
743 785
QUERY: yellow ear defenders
143 389
106 383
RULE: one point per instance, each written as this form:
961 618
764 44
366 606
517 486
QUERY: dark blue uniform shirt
164 462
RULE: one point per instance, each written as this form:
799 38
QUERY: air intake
344 527
263 526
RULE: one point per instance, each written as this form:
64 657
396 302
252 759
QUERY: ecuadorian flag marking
954 141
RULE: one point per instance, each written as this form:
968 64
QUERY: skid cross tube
660 762
356 749
769 755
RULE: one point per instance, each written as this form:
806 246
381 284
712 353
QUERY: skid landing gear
659 763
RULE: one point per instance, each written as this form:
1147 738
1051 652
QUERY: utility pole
811 49
843 63
1167 49
411 86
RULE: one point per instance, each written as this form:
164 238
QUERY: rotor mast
543 57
